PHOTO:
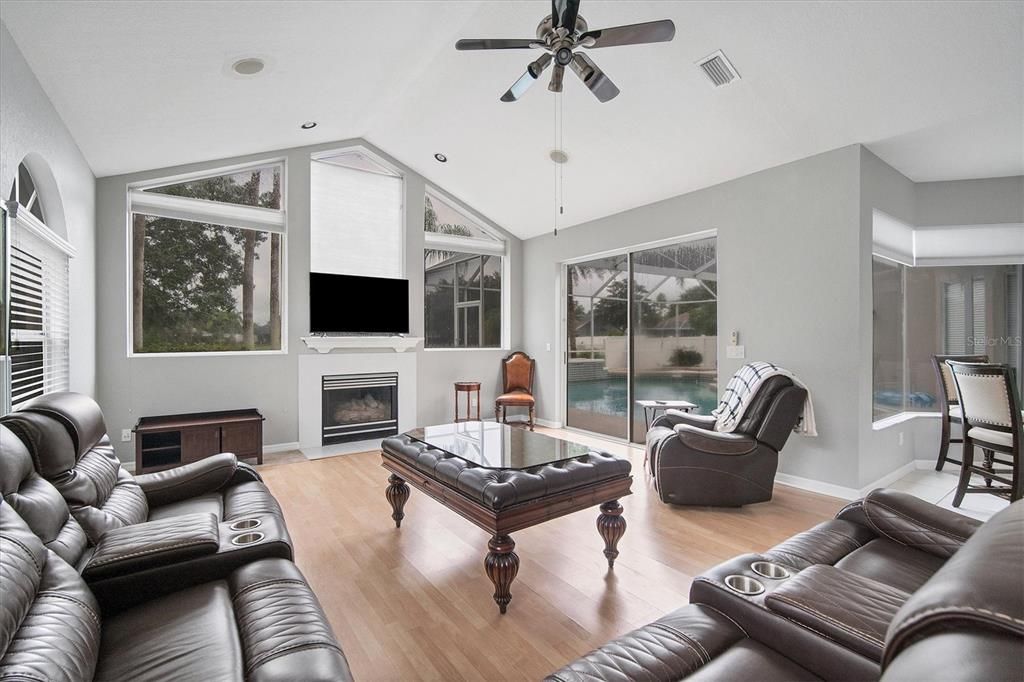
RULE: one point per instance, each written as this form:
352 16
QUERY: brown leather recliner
894 589
517 371
67 438
261 623
694 464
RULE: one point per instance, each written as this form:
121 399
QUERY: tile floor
938 488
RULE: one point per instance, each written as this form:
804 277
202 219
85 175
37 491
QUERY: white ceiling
934 88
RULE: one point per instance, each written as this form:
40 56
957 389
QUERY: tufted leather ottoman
504 479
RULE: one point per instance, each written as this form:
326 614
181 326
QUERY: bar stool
991 421
949 403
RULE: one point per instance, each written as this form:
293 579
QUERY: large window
207 258
463 266
39 314
924 311
356 215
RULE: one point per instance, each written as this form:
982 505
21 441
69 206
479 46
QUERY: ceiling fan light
557 74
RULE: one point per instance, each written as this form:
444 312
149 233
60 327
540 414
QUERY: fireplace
359 407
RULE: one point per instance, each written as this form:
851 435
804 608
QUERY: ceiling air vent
718 69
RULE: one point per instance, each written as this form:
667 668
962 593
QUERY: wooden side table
467 387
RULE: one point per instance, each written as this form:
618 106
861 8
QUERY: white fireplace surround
312 369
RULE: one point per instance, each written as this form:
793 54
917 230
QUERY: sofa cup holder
245 524
770 570
246 539
744 585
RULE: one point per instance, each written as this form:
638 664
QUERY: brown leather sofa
893 588
260 623
140 537
693 464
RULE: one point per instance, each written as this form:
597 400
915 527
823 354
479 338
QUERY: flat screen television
348 303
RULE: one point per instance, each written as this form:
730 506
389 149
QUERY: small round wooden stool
467 387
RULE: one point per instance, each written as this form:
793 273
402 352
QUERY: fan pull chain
559 171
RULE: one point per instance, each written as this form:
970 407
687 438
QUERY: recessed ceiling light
558 156
441 157
308 125
250 66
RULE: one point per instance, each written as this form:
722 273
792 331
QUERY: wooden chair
992 421
517 372
949 403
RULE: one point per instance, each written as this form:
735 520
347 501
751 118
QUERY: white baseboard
844 492
280 447
821 487
922 464
889 478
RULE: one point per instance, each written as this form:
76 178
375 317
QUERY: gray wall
133 387
787 284
960 202
885 189
970 202
30 127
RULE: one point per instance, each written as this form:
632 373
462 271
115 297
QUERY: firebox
359 407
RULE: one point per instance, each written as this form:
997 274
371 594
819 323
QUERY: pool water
608 396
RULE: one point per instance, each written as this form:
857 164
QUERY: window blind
356 221
1013 329
39 315
954 317
978 337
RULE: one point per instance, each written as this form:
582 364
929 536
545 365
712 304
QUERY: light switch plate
735 352
126 435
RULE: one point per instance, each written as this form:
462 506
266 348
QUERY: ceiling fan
560 34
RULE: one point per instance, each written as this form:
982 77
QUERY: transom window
207 254
463 263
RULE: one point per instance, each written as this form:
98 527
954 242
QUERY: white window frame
138 200
21 218
482 247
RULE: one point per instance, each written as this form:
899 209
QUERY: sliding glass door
597 322
674 327
641 325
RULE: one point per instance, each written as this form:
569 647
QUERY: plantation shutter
954 318
1013 319
39 310
356 218
979 338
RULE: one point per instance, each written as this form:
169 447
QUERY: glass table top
498 446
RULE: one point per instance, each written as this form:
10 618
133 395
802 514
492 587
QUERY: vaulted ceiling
936 89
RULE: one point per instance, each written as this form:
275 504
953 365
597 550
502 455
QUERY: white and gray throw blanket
742 387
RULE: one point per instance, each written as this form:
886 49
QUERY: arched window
38 335
25 193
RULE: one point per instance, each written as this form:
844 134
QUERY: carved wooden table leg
611 526
397 494
501 564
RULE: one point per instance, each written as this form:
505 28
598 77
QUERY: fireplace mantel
325 344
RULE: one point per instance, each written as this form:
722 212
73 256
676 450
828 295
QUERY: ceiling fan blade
533 72
593 77
633 34
564 13
557 74
496 44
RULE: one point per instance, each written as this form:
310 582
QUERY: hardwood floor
415 603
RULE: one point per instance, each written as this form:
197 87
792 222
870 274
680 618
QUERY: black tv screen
347 303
